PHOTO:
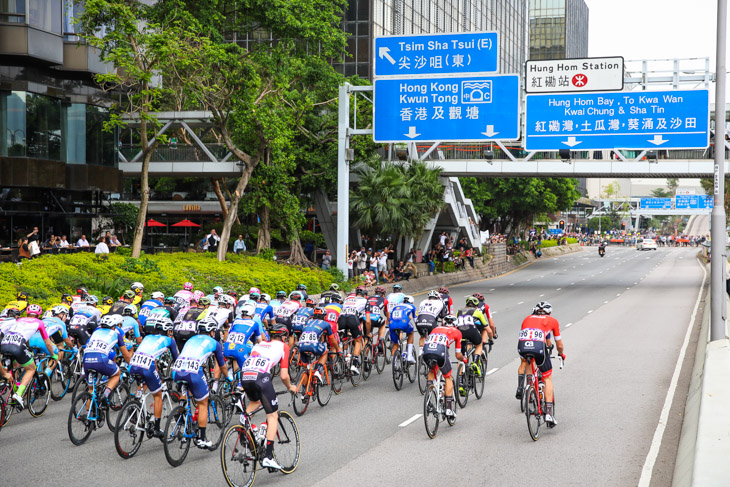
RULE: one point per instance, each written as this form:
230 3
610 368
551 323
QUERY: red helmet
380 290
361 291
310 303
479 296
443 290
319 313
34 309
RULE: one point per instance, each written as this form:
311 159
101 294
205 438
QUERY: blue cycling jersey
103 343
196 351
53 325
244 330
146 309
314 329
395 298
130 324
154 345
264 311
401 316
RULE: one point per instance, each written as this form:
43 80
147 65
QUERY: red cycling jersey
545 323
445 335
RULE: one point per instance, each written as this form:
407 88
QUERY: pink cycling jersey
27 327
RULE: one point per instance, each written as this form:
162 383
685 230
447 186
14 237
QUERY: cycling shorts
258 387
397 328
376 321
19 353
349 323
471 334
182 338
537 350
101 364
440 355
425 324
239 353
80 334
196 382
56 338
286 322
149 376
316 349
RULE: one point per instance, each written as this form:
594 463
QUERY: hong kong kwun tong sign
568 75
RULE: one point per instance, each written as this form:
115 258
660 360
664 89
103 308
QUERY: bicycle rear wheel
129 430
480 379
422 375
367 360
302 396
355 377
6 392
338 374
117 399
294 367
238 457
60 381
431 416
397 366
287 448
218 418
388 347
462 386
412 367
38 395
324 389
176 444
380 357
79 425
532 413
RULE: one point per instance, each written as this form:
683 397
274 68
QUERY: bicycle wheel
287 447
462 386
397 366
117 399
422 375
324 389
238 457
6 392
478 381
355 377
388 346
338 374
380 357
523 401
2 412
302 396
79 425
178 435
79 387
218 418
60 381
412 367
294 367
431 416
130 429
451 419
38 395
532 413
367 360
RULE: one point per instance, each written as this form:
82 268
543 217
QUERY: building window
99 143
12 123
46 15
43 122
71 10
12 11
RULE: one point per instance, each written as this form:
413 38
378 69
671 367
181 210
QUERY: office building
558 29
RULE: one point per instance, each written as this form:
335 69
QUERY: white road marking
628 288
492 289
590 311
410 420
512 284
605 302
619 294
558 289
490 372
521 302
541 295
569 325
646 472
572 283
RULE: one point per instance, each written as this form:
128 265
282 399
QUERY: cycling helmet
443 290
479 296
336 298
397 288
296 296
91 299
361 291
110 321
472 302
34 309
380 290
266 297
408 299
57 310
309 303
22 296
279 330
198 295
434 295
248 309
280 294
108 300
233 294
301 287
319 313
252 290
542 308
67 298
204 301
137 287
217 290
157 295
450 320
163 324
81 291
170 300
254 296
129 310
207 325
334 287
128 294
12 312
226 299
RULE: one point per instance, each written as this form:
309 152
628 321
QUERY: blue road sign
693 201
436 54
656 203
455 109
621 120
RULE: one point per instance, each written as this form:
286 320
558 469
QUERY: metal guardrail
181 153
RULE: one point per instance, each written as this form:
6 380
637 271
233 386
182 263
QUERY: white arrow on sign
490 131
411 132
658 140
571 142
383 52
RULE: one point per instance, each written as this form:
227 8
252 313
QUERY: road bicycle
58 374
181 427
523 400
348 345
467 378
434 402
35 397
308 386
136 420
244 448
87 411
400 365
379 354
534 399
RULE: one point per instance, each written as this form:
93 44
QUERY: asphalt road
623 318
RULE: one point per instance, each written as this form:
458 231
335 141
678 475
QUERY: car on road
646 244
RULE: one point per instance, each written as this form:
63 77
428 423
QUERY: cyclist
186 293
355 311
217 291
263 310
314 342
80 296
144 364
532 344
197 294
222 314
55 321
259 388
437 348
20 303
15 345
105 304
156 299
285 313
66 302
137 288
84 321
396 297
234 295
402 318
244 333
484 308
429 312
326 297
448 302
303 291
471 322
100 354
188 368
278 300
379 313
126 298
300 319
130 325
187 326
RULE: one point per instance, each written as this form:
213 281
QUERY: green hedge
47 277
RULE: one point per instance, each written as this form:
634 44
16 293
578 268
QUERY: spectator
239 245
374 265
462 245
362 259
101 247
383 261
63 244
388 276
33 242
210 243
411 257
442 239
82 242
351 263
469 253
56 243
47 244
430 259
400 271
365 241
369 278
114 241
33 236
23 251
411 268
326 260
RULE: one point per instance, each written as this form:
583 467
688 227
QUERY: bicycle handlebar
561 359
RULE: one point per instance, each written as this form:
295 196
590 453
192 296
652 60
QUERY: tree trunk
228 193
219 194
264 240
297 256
145 190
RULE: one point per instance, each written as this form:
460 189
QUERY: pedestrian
34 242
326 260
23 251
351 263
82 242
210 242
239 245
101 246
374 265
362 260
383 261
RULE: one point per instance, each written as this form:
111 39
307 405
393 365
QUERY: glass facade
366 19
558 29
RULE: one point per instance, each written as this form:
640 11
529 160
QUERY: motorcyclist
602 248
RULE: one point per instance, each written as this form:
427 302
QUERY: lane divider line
490 372
569 325
410 420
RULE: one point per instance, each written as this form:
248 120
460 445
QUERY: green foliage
317 239
266 254
48 276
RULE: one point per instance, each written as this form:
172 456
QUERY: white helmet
408 299
226 299
248 309
157 295
434 295
266 297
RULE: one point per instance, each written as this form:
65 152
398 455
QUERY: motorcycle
602 250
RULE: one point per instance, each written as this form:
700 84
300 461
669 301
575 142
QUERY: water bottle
230 375
262 432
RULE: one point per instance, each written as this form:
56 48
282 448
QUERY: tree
137 42
660 193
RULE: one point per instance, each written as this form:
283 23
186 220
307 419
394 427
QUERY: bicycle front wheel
431 415
238 457
178 435
39 395
462 386
532 413
302 396
79 424
422 375
412 367
397 366
338 374
117 399
60 381
218 418
287 447
129 430
380 357
479 379
367 360
6 392
324 389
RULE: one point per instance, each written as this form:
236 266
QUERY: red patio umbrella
154 223
185 223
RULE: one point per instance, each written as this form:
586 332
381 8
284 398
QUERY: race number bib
331 317
257 364
349 310
13 339
141 360
437 339
466 320
99 346
187 326
308 337
299 320
145 311
397 314
236 338
186 365
79 320
532 334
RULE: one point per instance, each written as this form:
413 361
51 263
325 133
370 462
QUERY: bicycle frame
536 381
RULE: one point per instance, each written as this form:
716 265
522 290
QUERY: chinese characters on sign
564 75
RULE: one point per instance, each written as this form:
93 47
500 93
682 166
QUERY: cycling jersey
241 337
77 305
401 319
264 311
146 309
378 309
484 308
356 306
56 331
137 299
186 326
333 313
300 318
448 303
130 327
285 313
429 311
143 361
222 316
16 337
100 352
19 305
437 347
533 334
103 308
189 364
118 307
311 339
275 303
255 376
470 323
395 298
83 323
327 297
184 297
